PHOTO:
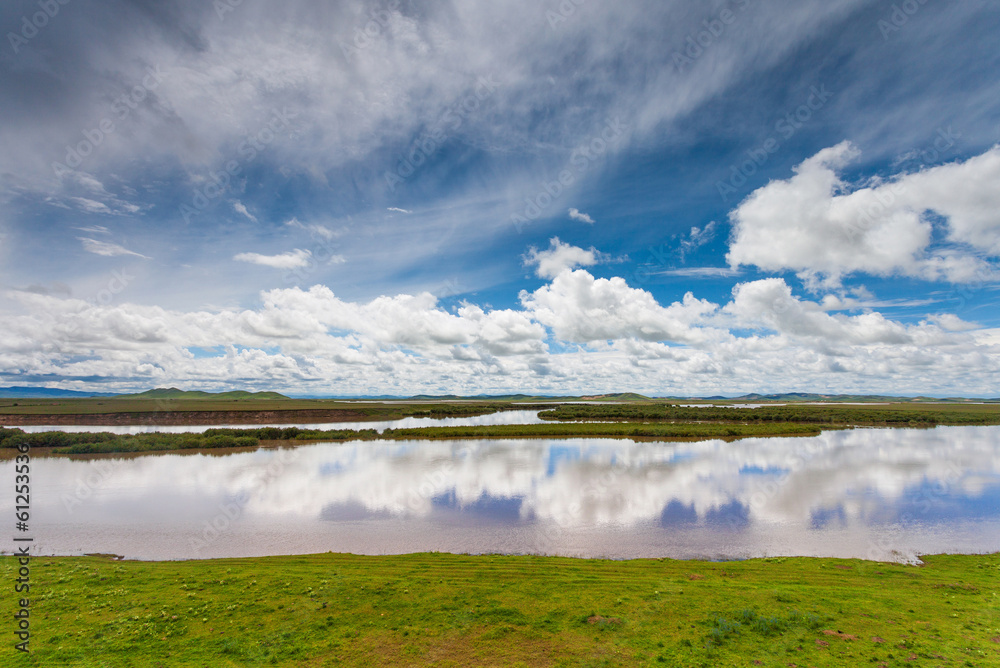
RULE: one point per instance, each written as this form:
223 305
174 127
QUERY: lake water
502 417
869 493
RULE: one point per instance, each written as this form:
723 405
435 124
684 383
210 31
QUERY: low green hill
174 393
624 396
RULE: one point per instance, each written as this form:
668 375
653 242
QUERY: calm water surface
869 493
502 417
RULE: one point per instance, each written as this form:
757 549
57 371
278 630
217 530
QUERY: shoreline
58 443
227 440
117 558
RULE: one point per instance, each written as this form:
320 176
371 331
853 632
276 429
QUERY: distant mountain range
21 392
158 393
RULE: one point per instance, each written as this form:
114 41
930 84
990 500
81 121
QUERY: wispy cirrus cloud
94 229
239 207
293 259
107 248
696 238
699 272
317 230
91 206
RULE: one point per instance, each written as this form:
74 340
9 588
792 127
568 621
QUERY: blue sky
391 197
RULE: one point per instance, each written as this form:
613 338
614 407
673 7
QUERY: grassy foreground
449 610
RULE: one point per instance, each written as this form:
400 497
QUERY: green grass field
351 410
449 610
616 406
900 414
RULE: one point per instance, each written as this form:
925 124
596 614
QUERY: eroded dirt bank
171 418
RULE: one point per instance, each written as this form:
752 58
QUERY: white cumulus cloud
575 334
822 227
581 308
558 258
